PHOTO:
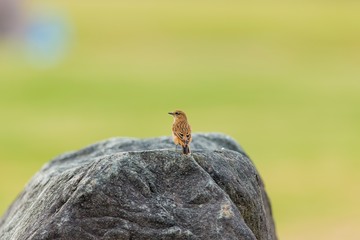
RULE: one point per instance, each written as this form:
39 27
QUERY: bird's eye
177 113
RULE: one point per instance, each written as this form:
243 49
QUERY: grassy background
282 78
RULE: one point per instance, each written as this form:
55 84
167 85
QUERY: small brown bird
181 131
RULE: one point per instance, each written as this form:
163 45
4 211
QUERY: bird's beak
171 113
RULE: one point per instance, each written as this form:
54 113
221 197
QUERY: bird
181 131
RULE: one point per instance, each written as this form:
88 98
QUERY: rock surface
125 188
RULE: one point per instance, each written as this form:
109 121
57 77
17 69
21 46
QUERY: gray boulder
126 188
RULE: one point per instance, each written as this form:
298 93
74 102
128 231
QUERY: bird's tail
186 149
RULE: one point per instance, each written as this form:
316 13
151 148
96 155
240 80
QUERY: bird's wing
185 138
180 135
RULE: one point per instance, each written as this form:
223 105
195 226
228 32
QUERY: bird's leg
175 147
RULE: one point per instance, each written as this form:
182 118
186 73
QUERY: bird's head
178 115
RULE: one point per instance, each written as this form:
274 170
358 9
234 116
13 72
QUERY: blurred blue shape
47 38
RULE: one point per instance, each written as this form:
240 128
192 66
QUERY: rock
125 188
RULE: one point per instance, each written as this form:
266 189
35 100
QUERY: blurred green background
282 78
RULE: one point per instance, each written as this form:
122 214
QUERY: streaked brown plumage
181 131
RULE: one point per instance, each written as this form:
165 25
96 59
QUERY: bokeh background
281 77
